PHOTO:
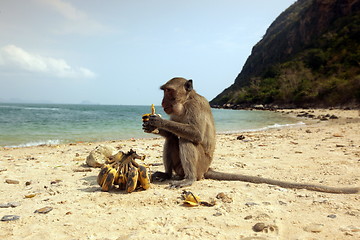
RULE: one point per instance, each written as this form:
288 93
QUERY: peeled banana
146 117
122 170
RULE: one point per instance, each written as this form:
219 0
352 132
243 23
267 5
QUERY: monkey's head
176 92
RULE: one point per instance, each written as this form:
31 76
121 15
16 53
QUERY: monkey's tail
211 174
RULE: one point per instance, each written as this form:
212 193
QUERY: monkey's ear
189 85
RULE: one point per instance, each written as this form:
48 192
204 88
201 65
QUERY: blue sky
120 52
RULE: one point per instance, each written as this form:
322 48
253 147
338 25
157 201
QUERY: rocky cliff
309 56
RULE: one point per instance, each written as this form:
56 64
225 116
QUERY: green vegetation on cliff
309 56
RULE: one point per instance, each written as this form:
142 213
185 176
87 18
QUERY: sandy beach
323 152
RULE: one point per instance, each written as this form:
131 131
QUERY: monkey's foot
160 176
182 183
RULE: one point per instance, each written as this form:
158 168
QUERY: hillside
309 56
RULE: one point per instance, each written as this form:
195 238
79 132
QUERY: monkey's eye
168 90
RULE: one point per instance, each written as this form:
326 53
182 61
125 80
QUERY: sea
23 125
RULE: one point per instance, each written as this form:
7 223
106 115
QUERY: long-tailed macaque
190 141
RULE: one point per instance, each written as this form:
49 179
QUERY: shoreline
275 107
305 117
51 140
58 143
322 152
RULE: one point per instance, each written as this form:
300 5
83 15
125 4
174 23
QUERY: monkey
190 138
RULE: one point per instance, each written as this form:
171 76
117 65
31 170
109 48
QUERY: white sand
326 152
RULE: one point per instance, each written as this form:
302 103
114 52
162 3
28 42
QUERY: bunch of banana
123 171
145 117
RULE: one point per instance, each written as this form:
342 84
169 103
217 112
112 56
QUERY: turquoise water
35 124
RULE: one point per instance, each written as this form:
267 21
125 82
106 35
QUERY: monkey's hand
148 128
155 121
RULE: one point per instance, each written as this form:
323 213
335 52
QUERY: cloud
77 20
66 9
12 56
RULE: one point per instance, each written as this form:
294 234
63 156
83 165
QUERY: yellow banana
122 184
124 172
117 177
109 181
116 157
120 180
132 179
103 174
144 176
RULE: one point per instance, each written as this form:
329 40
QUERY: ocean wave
40 108
29 108
274 126
37 143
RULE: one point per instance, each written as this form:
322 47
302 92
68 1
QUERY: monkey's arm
183 130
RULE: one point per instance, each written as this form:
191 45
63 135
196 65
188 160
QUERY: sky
120 52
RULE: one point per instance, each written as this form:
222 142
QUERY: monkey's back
203 118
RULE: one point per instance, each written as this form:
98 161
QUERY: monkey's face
169 100
175 94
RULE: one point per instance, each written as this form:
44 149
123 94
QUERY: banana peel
192 200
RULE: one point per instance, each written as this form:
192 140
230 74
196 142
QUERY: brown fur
190 140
